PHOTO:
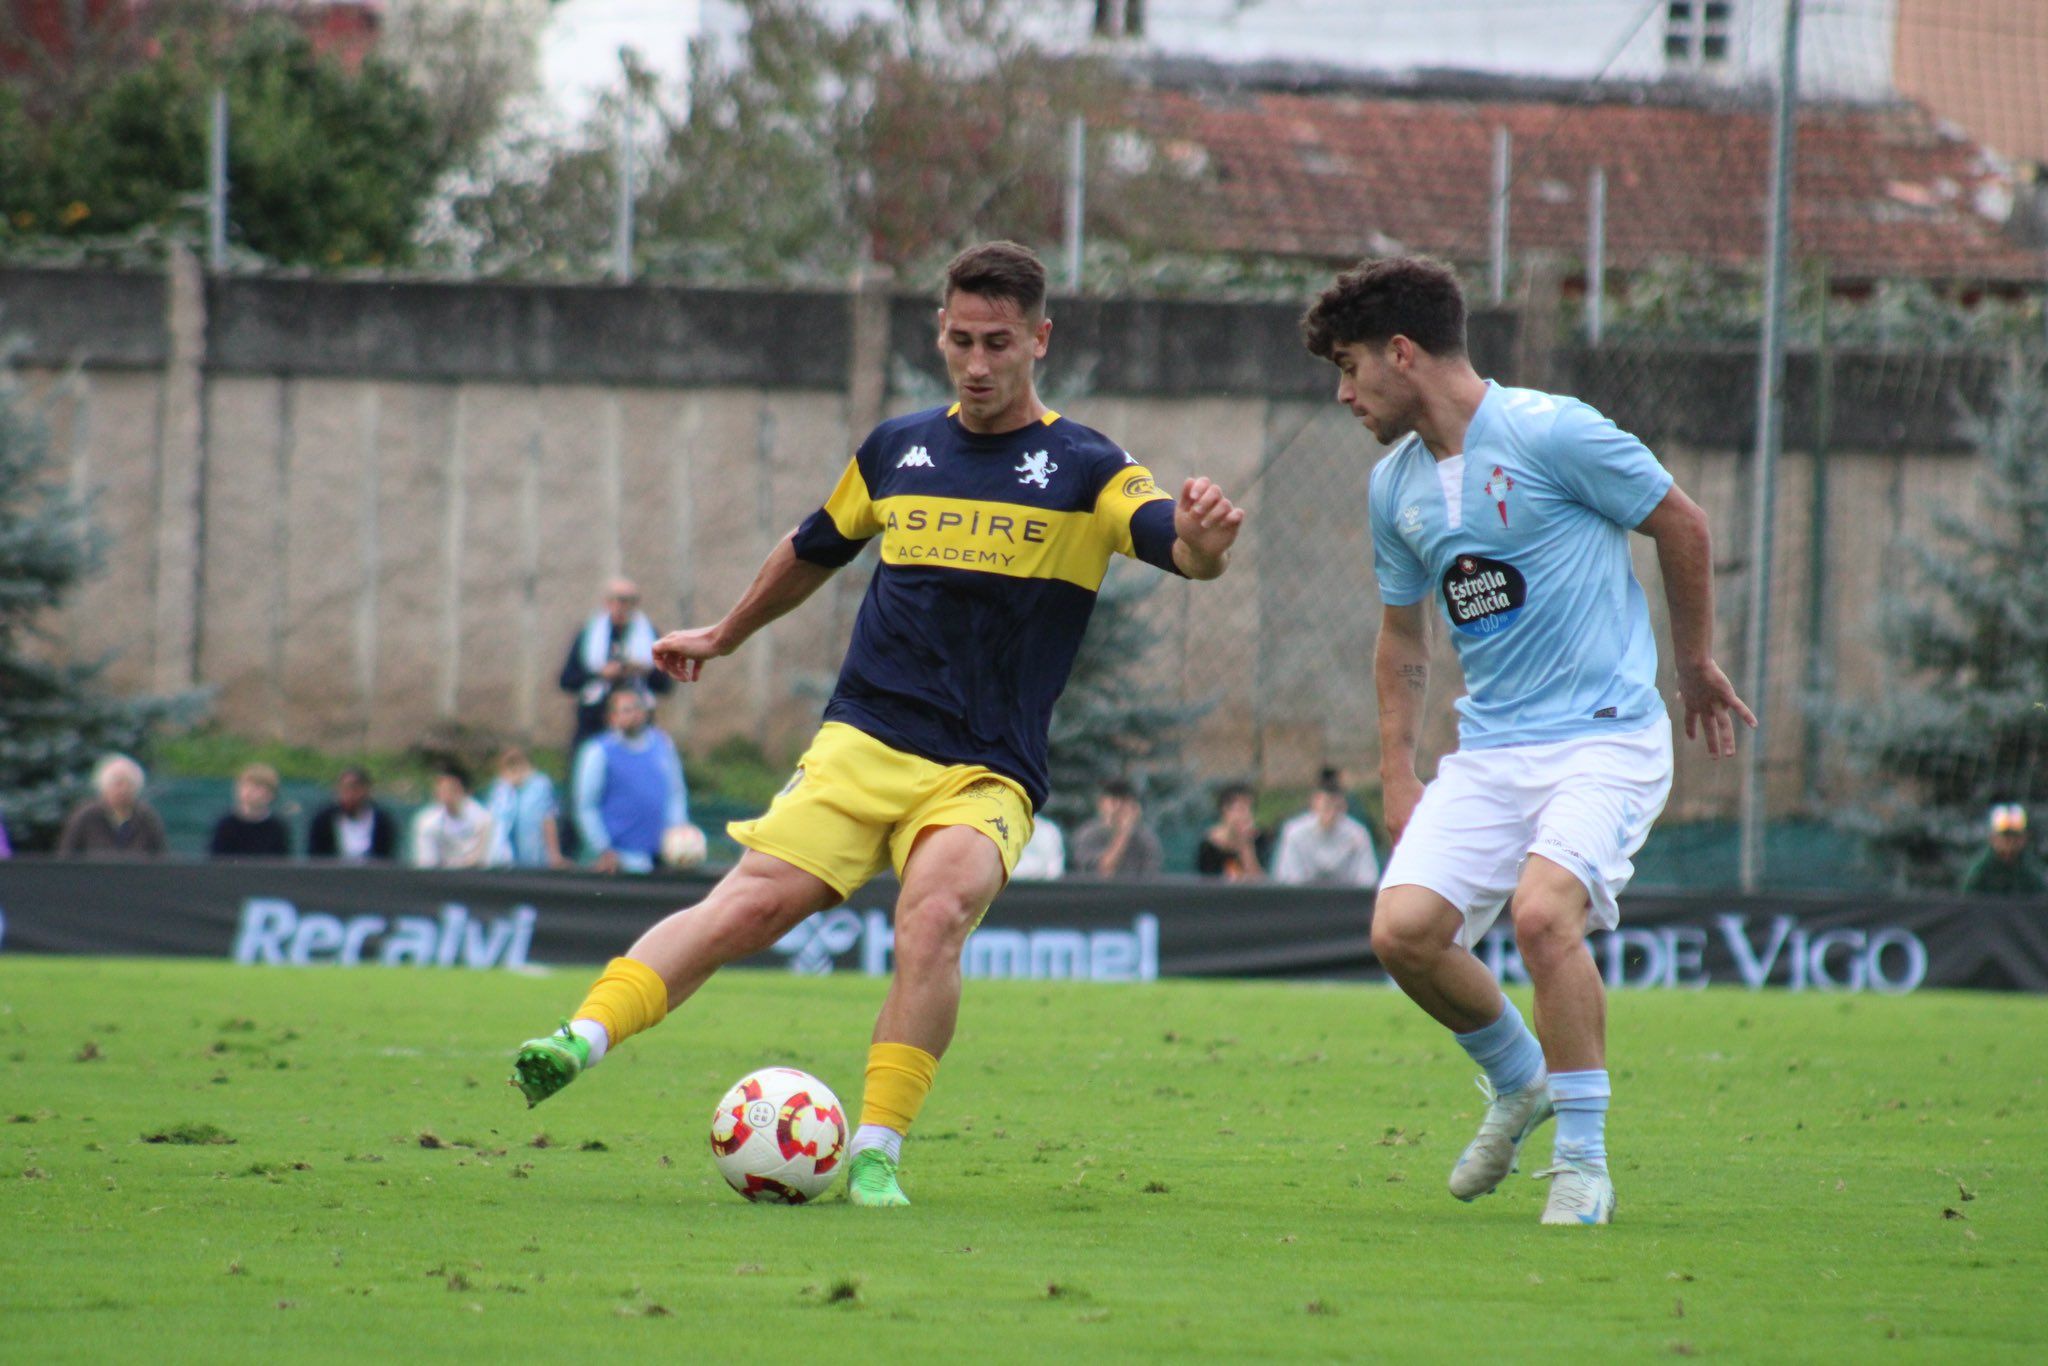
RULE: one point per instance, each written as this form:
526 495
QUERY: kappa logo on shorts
1002 826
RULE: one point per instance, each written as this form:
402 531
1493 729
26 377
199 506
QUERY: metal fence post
1770 402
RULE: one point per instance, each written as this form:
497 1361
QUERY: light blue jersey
1530 564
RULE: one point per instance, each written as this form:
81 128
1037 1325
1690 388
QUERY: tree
1104 726
1965 724
325 168
54 724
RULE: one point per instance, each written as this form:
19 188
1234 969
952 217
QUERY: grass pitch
204 1162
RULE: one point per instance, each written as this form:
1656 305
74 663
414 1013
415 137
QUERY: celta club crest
1037 469
1498 485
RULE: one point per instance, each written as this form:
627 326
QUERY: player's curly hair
1416 297
999 270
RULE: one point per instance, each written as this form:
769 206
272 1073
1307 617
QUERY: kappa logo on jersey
917 457
1483 596
1037 469
1498 485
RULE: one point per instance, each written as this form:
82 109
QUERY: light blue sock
1506 1050
1581 1100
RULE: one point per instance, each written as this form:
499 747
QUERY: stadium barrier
1082 929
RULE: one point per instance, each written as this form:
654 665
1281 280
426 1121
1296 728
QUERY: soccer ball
779 1135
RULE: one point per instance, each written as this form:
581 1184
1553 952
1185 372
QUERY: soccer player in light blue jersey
1512 509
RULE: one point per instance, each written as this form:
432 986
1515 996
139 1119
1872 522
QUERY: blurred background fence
377 498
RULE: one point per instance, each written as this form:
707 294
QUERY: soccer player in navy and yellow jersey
997 518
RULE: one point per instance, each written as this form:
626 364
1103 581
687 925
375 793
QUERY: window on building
1119 18
1697 32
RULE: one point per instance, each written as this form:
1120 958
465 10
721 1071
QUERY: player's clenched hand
1206 522
1399 792
1711 706
681 654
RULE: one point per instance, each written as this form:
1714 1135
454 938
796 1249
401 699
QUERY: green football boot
871 1180
547 1064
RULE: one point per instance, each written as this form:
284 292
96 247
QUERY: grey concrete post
181 479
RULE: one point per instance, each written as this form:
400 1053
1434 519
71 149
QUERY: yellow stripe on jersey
1015 539
1127 490
1047 419
995 538
849 507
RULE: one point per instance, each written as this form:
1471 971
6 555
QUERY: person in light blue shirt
525 829
1512 510
629 788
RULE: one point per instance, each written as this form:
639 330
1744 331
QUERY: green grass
204 1162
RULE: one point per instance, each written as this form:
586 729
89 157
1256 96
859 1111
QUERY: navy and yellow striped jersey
993 547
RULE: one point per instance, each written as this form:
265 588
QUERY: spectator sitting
629 788
1234 848
455 830
1045 853
1117 843
615 649
352 827
117 824
524 830
1324 846
252 829
2008 867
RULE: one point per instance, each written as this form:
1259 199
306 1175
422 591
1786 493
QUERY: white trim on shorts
1586 804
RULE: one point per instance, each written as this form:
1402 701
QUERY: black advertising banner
298 914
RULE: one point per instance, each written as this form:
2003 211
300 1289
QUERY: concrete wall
357 510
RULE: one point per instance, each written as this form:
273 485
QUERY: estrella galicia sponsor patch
1483 596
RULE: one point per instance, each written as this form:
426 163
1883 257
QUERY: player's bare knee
752 915
1402 940
935 924
1547 927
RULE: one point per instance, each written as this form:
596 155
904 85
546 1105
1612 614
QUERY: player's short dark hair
1415 297
456 769
1119 789
358 774
1230 792
999 270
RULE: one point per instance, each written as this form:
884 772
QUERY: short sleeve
1136 517
1401 575
1604 467
835 533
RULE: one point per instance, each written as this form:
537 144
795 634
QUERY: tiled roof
1881 191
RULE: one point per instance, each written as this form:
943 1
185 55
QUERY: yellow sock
899 1078
628 998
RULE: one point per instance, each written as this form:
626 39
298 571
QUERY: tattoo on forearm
1416 676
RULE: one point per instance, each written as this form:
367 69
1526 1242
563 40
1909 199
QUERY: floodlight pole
622 224
1770 407
1596 253
1077 189
1497 284
217 183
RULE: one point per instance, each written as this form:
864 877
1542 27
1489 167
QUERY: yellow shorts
856 806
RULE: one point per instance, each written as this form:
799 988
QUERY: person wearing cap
2008 867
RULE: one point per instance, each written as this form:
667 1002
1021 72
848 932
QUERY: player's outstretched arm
783 583
1400 672
1205 526
1685 554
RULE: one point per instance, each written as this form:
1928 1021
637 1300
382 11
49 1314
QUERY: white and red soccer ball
779 1136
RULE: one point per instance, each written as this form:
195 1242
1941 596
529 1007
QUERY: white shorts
1585 804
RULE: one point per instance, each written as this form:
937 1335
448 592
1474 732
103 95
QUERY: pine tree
1965 722
1104 726
54 726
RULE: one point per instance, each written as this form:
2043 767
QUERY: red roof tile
1881 191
